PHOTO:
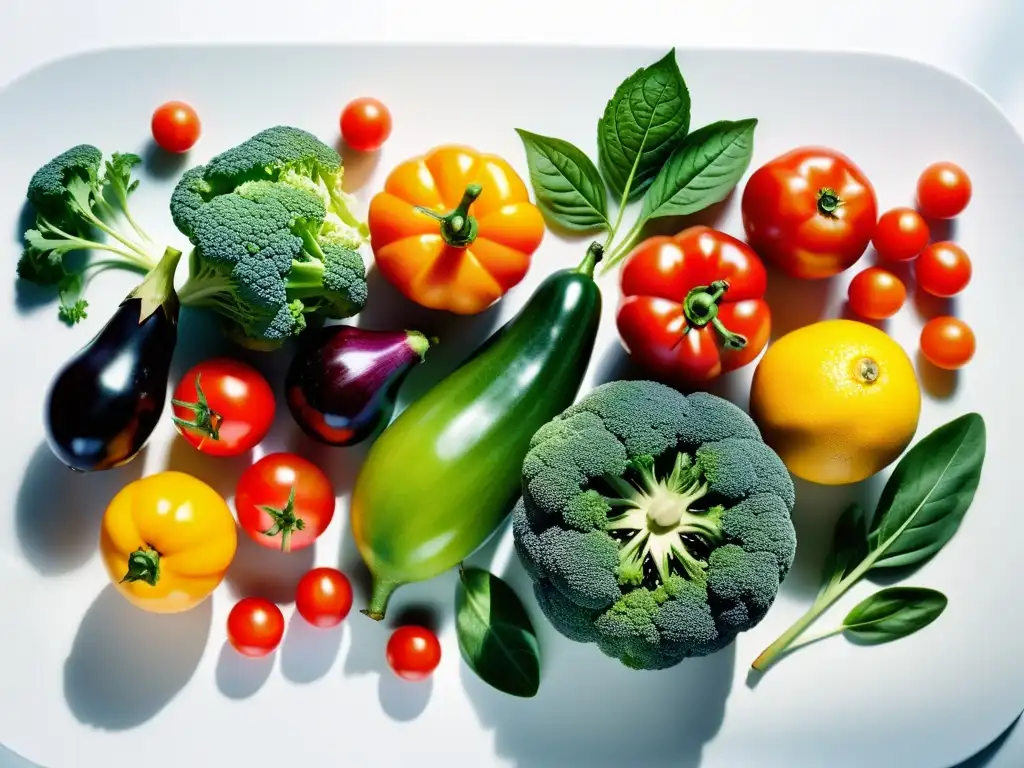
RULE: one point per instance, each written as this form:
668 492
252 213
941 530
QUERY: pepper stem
285 521
458 228
828 202
701 308
205 421
379 597
595 252
143 565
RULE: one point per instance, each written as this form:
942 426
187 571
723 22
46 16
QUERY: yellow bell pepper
167 540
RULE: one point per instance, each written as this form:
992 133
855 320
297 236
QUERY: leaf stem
620 251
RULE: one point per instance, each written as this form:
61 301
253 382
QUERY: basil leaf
495 634
644 121
928 494
567 184
893 613
849 546
702 170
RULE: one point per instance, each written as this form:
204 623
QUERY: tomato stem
285 521
205 421
458 228
828 202
701 308
143 565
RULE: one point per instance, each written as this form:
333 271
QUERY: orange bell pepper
166 541
454 229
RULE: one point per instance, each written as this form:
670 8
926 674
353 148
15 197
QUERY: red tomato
947 342
693 305
324 597
365 124
811 212
876 293
413 653
175 126
223 407
943 190
255 626
284 501
901 235
944 269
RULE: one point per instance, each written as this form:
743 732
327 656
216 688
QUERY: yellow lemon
837 400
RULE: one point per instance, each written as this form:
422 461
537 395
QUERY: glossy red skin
268 483
413 653
236 392
943 269
944 190
324 597
783 223
654 281
255 627
948 343
876 293
900 235
175 126
365 124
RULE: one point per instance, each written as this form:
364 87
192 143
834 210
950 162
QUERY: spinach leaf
928 494
702 170
849 546
893 613
567 184
642 124
496 637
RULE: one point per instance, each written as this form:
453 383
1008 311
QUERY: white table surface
976 39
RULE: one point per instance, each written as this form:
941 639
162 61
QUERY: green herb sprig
920 509
645 150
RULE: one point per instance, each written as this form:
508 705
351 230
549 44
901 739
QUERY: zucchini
439 481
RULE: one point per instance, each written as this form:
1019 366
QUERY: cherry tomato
944 269
223 407
943 190
876 293
284 501
901 235
947 342
255 627
413 653
365 124
811 212
324 597
175 126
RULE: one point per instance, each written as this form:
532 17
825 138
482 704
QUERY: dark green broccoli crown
270 152
48 186
661 519
344 281
188 198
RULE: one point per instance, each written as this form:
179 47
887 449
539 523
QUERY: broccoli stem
659 512
69 242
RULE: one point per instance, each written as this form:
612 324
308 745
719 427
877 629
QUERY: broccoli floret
78 197
274 237
654 524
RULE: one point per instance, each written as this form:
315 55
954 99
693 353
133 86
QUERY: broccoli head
274 237
654 524
78 198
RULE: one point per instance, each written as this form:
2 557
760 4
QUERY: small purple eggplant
343 383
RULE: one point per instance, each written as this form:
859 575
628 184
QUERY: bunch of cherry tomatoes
942 269
223 407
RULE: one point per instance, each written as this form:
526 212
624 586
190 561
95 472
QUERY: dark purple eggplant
104 403
343 382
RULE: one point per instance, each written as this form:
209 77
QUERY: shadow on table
126 664
989 753
587 689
